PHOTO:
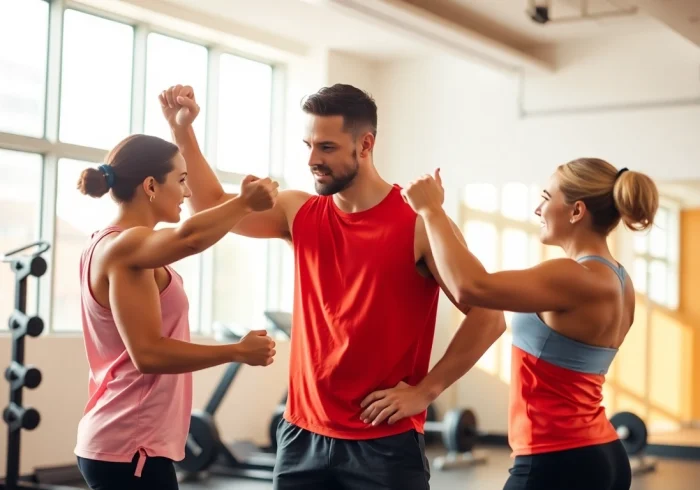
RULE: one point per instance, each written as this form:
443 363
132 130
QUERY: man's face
332 154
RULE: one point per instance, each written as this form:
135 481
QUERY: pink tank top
129 412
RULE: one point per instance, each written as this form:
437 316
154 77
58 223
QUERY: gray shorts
308 461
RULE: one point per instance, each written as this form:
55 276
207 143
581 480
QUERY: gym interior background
479 88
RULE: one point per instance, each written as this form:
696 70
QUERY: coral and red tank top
557 387
364 318
129 412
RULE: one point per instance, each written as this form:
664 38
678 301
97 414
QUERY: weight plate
431 416
632 431
459 432
202 445
274 423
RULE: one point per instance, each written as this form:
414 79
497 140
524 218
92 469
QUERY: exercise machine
19 375
204 450
459 434
633 434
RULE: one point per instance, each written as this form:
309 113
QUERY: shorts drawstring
140 462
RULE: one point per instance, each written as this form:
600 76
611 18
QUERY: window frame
51 149
671 259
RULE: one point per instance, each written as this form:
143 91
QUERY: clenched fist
179 106
257 348
425 194
259 194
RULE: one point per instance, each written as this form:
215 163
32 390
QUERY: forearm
170 356
201 178
460 270
477 332
208 227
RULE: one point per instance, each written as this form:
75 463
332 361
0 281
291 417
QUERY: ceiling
508 21
312 23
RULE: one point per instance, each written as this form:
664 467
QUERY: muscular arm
144 248
477 332
207 192
554 285
135 302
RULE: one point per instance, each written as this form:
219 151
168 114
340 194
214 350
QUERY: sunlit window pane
20 209
657 236
482 197
245 104
24 28
77 217
190 270
672 298
641 242
514 247
169 62
515 201
96 80
240 279
482 240
535 251
640 275
658 281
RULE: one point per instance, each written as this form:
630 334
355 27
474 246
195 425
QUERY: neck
587 243
366 191
134 214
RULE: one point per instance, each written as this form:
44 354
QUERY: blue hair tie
108 172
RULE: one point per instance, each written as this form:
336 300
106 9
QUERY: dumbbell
457 430
633 434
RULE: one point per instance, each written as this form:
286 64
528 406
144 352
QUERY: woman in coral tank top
571 316
135 310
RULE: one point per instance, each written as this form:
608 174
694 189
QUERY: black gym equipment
17 374
205 451
632 431
459 434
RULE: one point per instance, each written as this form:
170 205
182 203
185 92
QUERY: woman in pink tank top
135 310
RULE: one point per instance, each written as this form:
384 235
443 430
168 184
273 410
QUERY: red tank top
364 318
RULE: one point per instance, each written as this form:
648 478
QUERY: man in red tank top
365 302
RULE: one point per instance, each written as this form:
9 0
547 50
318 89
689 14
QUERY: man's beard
338 183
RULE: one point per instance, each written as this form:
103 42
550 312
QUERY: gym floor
669 475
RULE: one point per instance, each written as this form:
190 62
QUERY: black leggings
599 467
158 473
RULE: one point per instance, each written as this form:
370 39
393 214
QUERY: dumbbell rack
19 376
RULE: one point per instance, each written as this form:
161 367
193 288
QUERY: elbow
146 362
470 293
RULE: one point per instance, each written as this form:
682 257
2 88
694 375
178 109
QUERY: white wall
634 101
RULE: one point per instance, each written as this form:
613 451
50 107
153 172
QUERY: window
171 62
20 210
244 116
240 279
77 217
499 229
656 264
102 86
96 80
23 49
189 269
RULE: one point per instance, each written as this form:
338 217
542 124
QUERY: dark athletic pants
308 461
599 467
158 473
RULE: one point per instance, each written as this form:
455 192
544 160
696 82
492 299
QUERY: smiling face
332 154
555 214
170 195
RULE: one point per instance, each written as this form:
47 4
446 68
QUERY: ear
366 144
578 212
149 186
